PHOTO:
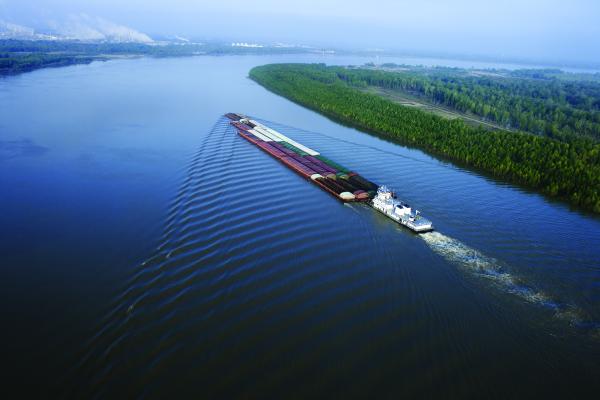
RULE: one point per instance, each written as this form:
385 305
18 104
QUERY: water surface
148 250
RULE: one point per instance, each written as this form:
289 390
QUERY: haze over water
151 251
536 30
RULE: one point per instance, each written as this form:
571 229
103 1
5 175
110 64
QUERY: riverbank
567 171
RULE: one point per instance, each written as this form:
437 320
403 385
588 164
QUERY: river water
147 250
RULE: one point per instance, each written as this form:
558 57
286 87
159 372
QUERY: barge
333 178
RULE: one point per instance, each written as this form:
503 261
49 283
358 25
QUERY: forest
544 102
565 169
11 64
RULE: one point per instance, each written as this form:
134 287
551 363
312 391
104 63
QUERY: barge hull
331 177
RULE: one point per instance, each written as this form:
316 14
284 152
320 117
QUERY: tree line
14 64
568 170
17 56
539 103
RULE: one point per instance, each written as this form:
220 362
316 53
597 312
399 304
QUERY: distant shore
19 56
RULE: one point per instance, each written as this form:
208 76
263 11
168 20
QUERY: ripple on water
250 267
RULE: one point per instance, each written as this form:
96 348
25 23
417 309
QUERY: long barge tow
340 182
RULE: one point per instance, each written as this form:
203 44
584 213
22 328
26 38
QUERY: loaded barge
346 185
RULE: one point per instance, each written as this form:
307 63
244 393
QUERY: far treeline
11 64
18 56
544 102
564 169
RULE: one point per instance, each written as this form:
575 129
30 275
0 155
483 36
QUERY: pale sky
544 29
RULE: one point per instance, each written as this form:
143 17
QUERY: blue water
148 250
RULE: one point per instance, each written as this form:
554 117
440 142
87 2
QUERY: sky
527 29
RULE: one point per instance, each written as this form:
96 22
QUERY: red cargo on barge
331 177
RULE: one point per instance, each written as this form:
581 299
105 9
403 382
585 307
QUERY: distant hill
9 30
79 28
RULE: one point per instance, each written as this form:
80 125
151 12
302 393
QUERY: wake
476 263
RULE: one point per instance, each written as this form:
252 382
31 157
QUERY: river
148 250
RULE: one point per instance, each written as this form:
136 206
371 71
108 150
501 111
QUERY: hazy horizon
538 30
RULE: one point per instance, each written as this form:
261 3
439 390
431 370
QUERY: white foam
485 267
